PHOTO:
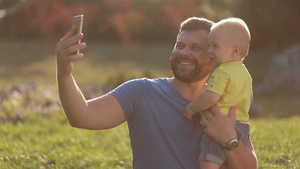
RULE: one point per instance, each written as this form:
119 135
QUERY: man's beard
200 72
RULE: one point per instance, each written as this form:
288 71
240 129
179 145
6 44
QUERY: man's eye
179 46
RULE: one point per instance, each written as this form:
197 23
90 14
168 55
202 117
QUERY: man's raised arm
100 113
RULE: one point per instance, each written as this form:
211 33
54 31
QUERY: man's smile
186 62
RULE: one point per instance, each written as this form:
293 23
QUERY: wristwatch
232 144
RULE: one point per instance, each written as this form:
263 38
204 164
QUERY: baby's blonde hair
238 33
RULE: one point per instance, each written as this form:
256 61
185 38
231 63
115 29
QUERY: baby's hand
189 113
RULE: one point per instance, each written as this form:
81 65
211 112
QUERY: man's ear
236 51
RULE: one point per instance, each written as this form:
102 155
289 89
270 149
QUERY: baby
228 85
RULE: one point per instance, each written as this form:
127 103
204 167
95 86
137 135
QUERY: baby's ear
236 51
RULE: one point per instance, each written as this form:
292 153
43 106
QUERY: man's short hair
195 23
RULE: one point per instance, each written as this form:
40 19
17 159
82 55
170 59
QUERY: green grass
34 133
276 142
52 143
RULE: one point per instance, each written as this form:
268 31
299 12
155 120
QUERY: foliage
19 102
132 21
47 19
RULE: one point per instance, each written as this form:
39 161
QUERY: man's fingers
188 116
69 39
75 57
74 48
208 114
70 33
71 52
73 40
205 122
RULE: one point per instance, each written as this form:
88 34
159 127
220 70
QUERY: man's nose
184 51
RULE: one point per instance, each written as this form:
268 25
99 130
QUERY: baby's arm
203 102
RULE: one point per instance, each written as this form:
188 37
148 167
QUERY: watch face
233 144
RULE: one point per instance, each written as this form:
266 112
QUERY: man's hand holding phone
67 49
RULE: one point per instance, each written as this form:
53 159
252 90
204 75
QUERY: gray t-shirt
161 137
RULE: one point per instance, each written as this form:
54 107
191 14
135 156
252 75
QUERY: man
161 137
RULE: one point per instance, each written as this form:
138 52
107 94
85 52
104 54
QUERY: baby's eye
196 47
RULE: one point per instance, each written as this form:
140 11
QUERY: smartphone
78 21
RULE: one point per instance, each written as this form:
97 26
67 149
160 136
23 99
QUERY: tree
35 19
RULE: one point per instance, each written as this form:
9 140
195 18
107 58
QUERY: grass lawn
276 142
52 143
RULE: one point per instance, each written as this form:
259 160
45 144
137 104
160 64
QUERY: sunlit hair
238 32
194 24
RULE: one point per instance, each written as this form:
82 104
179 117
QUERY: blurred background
273 23
133 38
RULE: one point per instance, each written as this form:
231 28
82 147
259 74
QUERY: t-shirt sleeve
217 82
129 94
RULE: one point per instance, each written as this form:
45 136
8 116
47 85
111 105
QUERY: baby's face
219 47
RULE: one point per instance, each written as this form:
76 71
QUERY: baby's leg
208 165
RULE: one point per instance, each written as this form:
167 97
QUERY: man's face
189 59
